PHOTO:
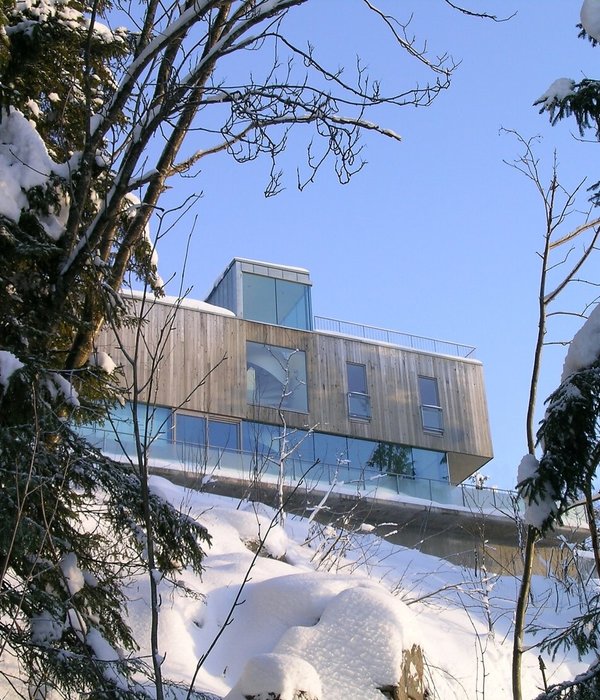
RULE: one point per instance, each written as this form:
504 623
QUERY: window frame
293 396
353 396
429 409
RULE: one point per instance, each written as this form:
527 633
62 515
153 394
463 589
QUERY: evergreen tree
74 523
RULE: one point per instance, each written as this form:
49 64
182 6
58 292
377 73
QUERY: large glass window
276 301
392 459
276 377
155 422
353 454
430 464
223 434
359 401
189 429
209 431
432 415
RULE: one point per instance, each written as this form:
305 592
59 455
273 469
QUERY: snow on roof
181 302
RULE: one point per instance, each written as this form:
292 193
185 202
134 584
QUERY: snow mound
356 647
281 675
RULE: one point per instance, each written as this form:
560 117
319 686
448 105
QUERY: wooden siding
208 351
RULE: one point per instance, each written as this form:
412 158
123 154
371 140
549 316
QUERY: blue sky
436 236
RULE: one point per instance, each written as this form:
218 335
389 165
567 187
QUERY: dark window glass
432 415
359 402
428 391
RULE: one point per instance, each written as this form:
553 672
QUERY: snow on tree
96 105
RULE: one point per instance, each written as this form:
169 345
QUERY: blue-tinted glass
190 430
259 438
223 434
331 449
300 445
276 377
430 464
259 298
161 423
293 304
155 422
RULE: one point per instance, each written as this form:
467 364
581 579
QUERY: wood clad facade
208 351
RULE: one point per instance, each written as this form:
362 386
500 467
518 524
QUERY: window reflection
342 452
276 301
276 377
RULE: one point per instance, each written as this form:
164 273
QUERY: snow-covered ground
330 613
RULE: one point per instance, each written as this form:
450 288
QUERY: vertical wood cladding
208 351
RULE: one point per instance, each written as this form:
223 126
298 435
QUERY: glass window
431 412
223 434
276 377
331 449
259 298
359 401
293 304
392 459
276 301
153 421
259 438
190 430
430 464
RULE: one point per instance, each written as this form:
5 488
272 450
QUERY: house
249 388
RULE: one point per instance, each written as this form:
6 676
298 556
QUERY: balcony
361 482
385 335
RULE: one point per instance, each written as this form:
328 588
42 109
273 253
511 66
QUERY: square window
276 377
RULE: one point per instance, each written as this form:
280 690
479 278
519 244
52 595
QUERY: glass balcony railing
203 461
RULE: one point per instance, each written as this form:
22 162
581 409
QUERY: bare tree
558 204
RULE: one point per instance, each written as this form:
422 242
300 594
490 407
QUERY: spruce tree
74 523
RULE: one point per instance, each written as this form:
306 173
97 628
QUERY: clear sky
436 236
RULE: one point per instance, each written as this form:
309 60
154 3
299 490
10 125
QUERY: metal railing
207 462
385 335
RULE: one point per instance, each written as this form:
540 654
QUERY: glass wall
276 301
276 377
194 434
155 422
348 453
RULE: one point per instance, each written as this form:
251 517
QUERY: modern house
248 387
